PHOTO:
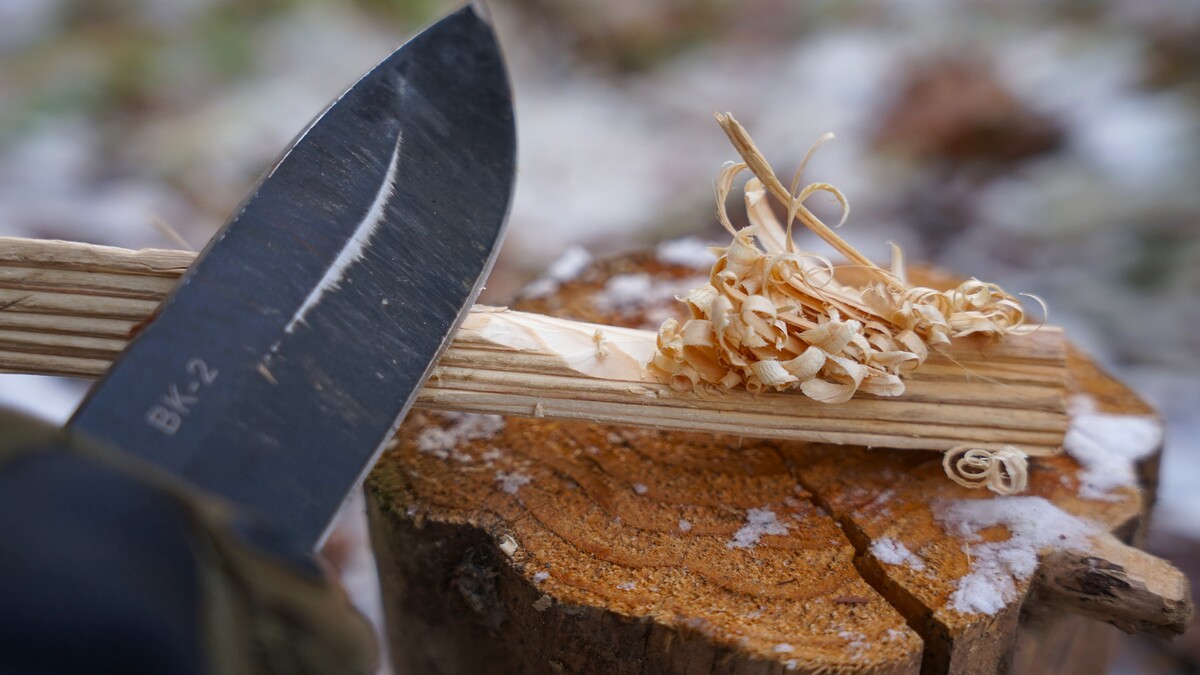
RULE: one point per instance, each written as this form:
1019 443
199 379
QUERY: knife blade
292 348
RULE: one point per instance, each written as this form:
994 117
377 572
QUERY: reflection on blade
354 250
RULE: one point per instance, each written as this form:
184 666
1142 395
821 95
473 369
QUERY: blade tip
481 10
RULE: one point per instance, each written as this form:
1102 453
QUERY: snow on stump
537 546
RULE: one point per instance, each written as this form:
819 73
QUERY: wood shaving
508 545
775 317
1004 471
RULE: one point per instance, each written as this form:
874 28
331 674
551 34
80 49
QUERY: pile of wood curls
775 317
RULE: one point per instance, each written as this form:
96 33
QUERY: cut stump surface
538 546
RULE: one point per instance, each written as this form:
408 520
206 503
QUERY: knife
293 347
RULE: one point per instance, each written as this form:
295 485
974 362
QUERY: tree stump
537 546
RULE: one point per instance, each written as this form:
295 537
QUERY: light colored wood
73 304
71 255
114 284
68 325
41 364
70 308
602 510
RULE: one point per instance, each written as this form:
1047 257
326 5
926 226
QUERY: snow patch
511 482
540 577
443 442
759 522
996 567
783 648
686 252
640 290
856 642
640 488
893 552
685 525
1108 447
627 585
625 290
568 266
881 500
49 398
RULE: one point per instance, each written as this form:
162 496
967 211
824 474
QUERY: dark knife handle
110 566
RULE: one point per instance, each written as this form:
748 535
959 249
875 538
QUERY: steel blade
290 351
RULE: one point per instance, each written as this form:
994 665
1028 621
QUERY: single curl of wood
1004 471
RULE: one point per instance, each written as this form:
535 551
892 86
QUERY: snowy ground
1050 148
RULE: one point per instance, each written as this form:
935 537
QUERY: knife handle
111 566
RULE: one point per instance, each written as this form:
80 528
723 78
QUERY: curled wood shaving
1004 471
776 317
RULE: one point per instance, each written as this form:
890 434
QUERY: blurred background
1051 147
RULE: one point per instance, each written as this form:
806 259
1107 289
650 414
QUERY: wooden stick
70 255
70 308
